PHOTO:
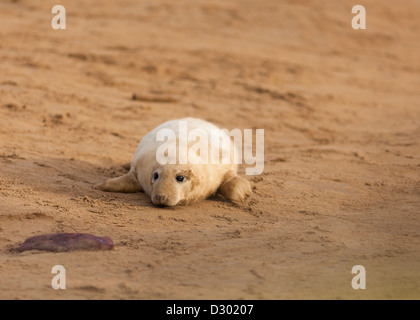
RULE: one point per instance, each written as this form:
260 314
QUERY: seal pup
177 183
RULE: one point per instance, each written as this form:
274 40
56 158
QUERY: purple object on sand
63 242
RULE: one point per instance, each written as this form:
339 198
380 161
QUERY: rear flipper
127 184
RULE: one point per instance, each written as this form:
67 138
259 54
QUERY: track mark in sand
26 216
120 48
93 58
220 217
127 290
320 135
317 228
257 179
13 107
43 165
53 120
9 83
8 157
87 201
91 289
309 213
162 98
233 234
104 203
256 274
177 219
78 56
276 160
131 243
74 178
293 98
105 78
170 246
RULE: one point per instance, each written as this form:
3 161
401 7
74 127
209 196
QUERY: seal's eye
155 176
180 178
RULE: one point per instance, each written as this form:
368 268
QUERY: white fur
202 180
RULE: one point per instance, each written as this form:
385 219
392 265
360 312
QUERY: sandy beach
341 113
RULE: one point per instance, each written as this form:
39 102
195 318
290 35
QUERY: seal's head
171 185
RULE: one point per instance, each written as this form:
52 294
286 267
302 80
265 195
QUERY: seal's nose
159 198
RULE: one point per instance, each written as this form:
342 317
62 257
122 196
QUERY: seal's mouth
163 201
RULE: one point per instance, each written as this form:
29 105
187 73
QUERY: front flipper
236 189
127 184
